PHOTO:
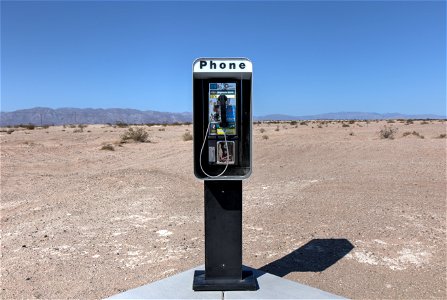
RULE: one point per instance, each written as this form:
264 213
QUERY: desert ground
327 205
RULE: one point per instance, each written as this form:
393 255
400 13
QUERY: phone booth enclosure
222 103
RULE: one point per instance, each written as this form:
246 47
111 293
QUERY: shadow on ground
315 256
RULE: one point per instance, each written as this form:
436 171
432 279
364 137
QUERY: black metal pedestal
223 240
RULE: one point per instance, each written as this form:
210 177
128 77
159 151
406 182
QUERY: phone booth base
246 283
223 240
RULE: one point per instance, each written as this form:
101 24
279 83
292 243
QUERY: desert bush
387 132
121 124
408 122
265 137
391 121
277 128
137 135
442 136
293 123
108 147
28 126
78 130
82 126
345 125
161 129
9 131
187 136
262 130
303 123
351 121
424 123
72 126
415 133
351 133
320 126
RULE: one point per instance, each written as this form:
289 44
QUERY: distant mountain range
350 116
60 116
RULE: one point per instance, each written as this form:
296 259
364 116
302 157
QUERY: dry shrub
121 124
262 130
415 133
293 123
108 147
303 123
78 130
391 121
387 132
137 135
351 121
351 133
161 129
28 126
441 136
408 122
265 137
187 136
424 123
277 128
345 125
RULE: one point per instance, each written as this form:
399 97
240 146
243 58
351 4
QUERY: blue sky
308 57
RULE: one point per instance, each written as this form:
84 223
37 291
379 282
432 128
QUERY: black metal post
223 240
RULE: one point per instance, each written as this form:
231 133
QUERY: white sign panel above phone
219 65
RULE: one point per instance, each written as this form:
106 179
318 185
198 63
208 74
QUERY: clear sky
308 57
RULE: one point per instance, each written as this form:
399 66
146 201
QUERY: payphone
222 127
222 118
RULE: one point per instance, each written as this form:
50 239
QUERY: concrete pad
179 286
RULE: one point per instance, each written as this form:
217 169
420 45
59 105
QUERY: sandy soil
354 215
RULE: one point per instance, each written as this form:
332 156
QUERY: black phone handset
223 110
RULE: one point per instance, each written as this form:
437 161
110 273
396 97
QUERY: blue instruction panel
229 90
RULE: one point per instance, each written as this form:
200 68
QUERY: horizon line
259 115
